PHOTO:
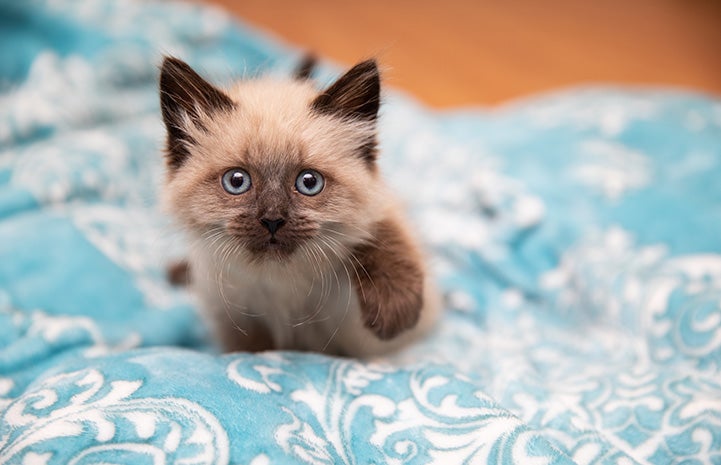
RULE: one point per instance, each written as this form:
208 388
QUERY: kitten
296 242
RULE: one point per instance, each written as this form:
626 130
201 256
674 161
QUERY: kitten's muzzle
272 225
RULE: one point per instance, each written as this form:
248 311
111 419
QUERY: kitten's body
309 304
341 274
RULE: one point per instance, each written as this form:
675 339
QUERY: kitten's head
273 168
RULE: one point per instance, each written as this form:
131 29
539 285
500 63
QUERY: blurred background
462 52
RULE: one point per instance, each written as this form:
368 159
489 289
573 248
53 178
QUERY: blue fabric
576 235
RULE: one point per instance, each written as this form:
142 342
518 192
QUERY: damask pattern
576 237
107 421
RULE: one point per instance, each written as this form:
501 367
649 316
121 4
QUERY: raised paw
389 282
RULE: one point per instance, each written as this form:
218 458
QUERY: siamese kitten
295 241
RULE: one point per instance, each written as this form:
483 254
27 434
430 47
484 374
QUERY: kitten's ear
305 68
354 95
185 97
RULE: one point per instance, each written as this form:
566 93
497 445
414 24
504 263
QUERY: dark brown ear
354 95
305 68
185 95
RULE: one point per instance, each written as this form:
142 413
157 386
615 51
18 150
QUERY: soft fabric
576 236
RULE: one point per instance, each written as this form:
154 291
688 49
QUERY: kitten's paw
178 273
389 282
253 337
390 314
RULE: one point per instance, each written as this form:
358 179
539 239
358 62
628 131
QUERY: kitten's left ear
305 68
355 95
185 97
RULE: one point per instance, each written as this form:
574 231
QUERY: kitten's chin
271 250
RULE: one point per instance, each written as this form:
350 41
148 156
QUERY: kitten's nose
272 225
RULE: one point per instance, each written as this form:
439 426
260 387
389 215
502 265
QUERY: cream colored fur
306 301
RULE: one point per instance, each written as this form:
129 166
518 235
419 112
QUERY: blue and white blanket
577 238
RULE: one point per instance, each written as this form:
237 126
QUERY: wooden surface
458 52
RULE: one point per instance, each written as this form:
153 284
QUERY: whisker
348 299
320 304
325 291
350 254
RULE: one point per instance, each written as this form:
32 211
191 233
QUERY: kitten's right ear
185 97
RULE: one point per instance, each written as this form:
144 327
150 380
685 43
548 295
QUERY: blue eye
309 182
236 181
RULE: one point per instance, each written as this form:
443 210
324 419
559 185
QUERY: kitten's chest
300 309
278 295
300 304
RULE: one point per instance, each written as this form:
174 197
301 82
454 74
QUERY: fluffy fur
343 274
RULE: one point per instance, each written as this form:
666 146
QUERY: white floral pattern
440 417
576 237
111 423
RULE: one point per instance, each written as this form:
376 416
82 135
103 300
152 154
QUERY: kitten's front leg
254 336
178 273
389 281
